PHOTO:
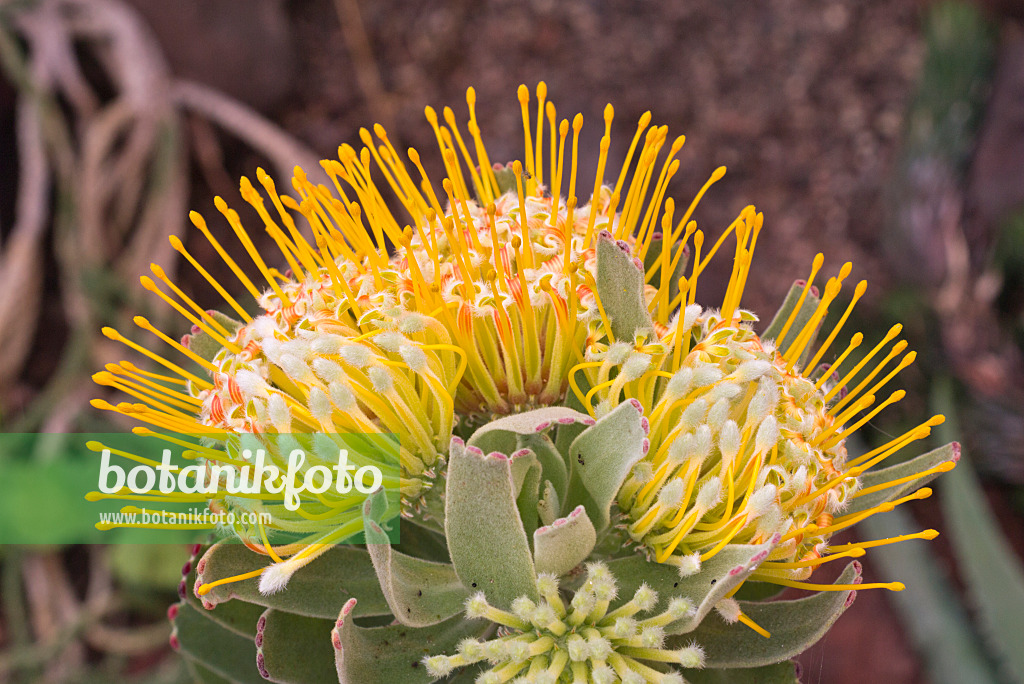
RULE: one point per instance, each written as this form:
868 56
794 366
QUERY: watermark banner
263 489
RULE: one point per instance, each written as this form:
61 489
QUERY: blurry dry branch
103 174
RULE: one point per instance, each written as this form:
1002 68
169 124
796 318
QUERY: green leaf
206 643
526 474
717 577
552 462
206 346
235 616
933 617
394 654
419 592
318 590
293 649
779 673
548 506
803 316
486 539
995 581
949 452
620 286
794 625
561 546
601 458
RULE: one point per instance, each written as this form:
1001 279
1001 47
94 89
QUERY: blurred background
887 133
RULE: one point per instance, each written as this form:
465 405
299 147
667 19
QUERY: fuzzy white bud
691 657
635 366
751 371
279 413
380 379
761 500
719 412
414 357
689 564
706 374
618 352
356 355
729 609
767 435
671 495
319 405
709 494
729 441
327 344
389 340
690 315
693 415
645 598
680 383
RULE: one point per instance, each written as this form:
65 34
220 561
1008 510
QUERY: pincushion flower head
572 419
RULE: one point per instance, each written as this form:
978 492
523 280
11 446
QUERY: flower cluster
502 291
582 641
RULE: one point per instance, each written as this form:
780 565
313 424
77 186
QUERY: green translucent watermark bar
261 489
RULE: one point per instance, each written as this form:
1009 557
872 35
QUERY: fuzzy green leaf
293 649
548 507
779 673
620 286
318 590
236 616
552 462
803 317
500 435
561 546
205 345
794 625
949 452
601 458
717 577
214 648
394 654
526 475
486 538
419 592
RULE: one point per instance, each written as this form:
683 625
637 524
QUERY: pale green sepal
564 544
548 507
486 538
552 462
419 592
620 286
500 435
601 458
